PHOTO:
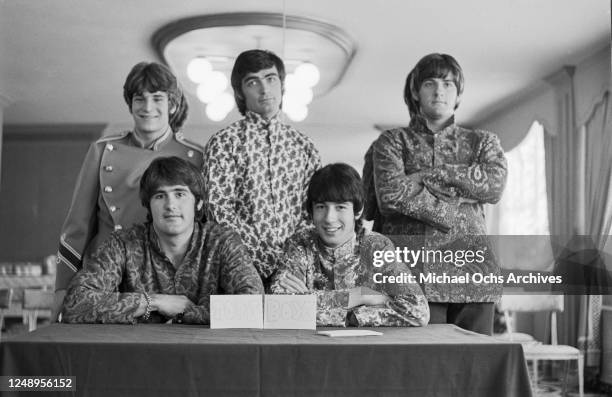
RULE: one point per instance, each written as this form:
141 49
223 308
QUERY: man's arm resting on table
366 296
168 305
357 295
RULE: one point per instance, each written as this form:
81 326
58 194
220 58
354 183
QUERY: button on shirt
106 194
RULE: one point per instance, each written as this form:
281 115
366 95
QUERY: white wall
591 79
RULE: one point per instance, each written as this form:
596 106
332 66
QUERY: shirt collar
156 144
419 124
261 121
156 246
341 251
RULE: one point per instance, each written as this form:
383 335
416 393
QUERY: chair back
5 298
34 299
531 303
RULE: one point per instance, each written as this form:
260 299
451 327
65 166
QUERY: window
523 209
521 216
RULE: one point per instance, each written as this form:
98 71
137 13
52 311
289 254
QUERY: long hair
338 182
252 61
171 171
431 66
153 77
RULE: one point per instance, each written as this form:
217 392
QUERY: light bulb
300 95
296 112
214 84
198 68
308 73
218 109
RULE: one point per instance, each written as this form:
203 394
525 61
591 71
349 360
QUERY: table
188 360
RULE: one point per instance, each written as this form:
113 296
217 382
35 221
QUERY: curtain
578 173
595 204
561 181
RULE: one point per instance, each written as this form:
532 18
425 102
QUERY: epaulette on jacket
113 137
180 137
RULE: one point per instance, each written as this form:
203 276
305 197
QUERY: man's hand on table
292 284
169 305
366 296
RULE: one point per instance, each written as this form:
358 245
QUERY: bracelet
147 314
179 318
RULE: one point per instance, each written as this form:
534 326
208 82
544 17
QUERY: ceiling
64 61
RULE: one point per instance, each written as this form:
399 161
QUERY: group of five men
158 224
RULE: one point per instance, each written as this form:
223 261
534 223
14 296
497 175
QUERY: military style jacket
106 194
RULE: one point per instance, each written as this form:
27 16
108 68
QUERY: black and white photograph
322 198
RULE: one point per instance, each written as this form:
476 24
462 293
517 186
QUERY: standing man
105 197
167 268
431 179
257 169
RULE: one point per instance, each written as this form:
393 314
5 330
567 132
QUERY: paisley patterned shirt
331 272
434 185
256 174
110 286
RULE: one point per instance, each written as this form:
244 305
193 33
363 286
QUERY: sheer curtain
523 209
520 218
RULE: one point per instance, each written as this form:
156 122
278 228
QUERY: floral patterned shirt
331 272
434 185
110 286
256 174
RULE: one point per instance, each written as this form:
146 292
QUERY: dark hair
153 77
337 183
252 61
431 66
170 171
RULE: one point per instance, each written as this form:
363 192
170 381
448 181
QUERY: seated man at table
335 260
167 268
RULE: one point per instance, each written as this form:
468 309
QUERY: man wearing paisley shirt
257 169
335 260
167 268
426 185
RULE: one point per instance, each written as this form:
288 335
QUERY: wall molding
52 132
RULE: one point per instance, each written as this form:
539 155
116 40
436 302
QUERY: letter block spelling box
236 311
290 312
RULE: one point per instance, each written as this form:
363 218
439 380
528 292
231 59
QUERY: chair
35 301
5 304
534 351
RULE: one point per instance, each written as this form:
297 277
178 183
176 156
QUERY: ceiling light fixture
201 51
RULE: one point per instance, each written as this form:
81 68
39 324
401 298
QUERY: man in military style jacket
105 197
